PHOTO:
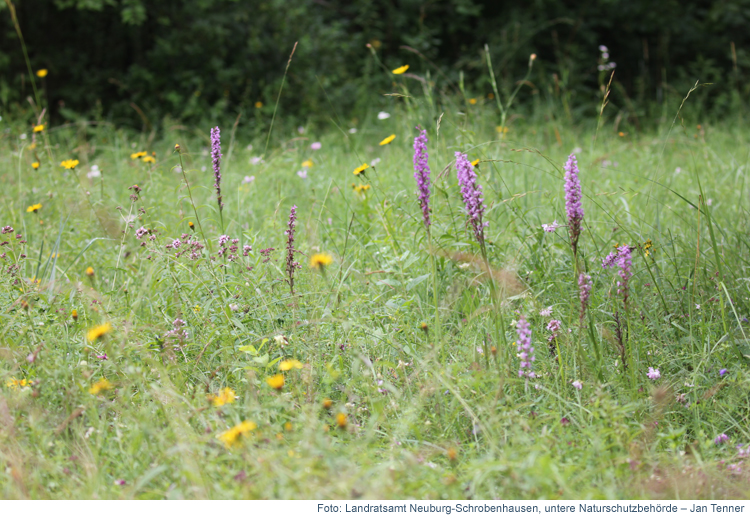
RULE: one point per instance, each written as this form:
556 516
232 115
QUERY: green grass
453 420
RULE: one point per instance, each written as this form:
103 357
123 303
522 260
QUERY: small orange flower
90 271
341 420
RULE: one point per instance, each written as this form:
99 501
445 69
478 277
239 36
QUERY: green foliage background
196 60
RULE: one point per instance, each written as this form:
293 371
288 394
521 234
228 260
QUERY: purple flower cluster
472 195
584 293
525 350
187 245
228 245
291 265
653 373
622 259
178 333
422 175
573 205
553 327
6 230
721 439
216 157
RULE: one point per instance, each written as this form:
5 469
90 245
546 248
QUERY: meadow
157 342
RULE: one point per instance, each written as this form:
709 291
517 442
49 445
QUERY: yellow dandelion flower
400 70
38 128
289 364
258 104
90 271
320 260
74 314
191 225
226 395
177 146
148 159
232 436
472 101
621 134
33 208
327 403
98 332
35 165
69 164
101 386
341 420
136 155
41 73
14 383
307 164
276 382
361 168
475 162
388 140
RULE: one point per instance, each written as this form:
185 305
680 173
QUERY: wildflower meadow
440 299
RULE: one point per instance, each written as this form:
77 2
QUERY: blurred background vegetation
139 62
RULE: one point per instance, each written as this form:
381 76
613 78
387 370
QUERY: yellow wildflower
258 104
191 225
14 383
276 382
41 73
647 247
361 168
35 165
38 128
90 271
388 139
502 130
177 146
69 164
148 159
101 386
74 314
307 164
226 395
136 155
472 101
341 420
289 364
327 403
231 436
33 208
98 331
31 147
320 260
400 70
475 162
360 189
